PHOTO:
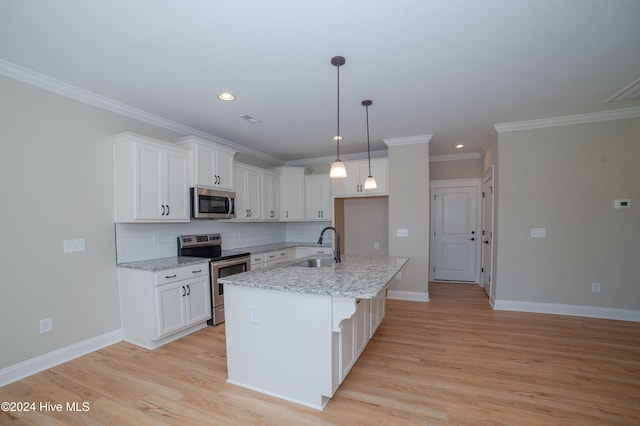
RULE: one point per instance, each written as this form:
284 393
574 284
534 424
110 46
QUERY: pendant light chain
338 117
368 146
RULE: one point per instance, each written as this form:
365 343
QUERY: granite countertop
155 265
357 276
279 246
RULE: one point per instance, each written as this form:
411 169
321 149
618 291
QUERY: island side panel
280 343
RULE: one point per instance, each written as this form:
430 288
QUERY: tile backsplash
146 241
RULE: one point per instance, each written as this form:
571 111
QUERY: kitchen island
295 331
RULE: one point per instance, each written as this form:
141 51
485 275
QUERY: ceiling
449 68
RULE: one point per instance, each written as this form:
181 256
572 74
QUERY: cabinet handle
184 291
162 205
188 288
168 210
171 276
196 272
287 214
321 213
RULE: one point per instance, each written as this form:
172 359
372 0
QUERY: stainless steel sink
316 262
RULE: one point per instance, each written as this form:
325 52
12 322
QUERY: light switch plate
538 232
402 232
73 246
622 204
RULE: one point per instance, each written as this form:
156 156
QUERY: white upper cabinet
357 172
211 165
270 196
291 193
150 180
319 202
248 193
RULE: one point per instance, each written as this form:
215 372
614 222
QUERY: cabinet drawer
183 273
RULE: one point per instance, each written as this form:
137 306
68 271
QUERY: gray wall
409 208
366 221
455 169
56 180
565 179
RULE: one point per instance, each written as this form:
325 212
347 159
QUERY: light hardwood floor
450 361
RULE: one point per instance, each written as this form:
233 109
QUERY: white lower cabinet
181 304
159 307
356 332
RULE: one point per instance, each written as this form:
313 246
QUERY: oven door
221 269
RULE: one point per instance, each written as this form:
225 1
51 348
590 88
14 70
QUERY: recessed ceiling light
337 138
459 146
226 96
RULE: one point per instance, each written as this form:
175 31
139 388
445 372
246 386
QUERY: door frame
455 183
487 264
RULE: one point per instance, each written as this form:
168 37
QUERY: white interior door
455 238
487 233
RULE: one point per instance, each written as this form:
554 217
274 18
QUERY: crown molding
329 160
615 114
409 140
455 157
42 81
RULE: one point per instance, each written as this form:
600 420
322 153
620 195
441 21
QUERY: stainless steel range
223 263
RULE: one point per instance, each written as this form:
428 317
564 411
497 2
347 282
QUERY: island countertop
356 276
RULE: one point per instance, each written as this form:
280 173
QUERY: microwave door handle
229 207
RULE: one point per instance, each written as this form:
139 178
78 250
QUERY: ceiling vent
251 119
629 93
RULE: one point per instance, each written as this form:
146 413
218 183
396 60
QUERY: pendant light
338 170
369 182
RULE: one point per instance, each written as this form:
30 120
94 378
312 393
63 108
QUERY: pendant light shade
338 170
370 181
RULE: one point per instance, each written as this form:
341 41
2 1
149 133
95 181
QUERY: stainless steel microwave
209 203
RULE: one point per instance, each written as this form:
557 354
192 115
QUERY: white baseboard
35 365
572 310
416 296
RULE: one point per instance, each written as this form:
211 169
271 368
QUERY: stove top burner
206 245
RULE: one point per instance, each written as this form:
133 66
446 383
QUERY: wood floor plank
450 361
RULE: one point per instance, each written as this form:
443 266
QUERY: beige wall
565 179
455 169
409 208
56 182
366 221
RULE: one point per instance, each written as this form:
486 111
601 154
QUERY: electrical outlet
46 325
595 287
399 275
253 315
376 246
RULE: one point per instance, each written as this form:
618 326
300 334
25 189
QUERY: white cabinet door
212 165
377 308
175 186
291 193
149 185
150 180
171 310
248 193
223 169
270 197
347 348
198 300
349 185
361 325
319 203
